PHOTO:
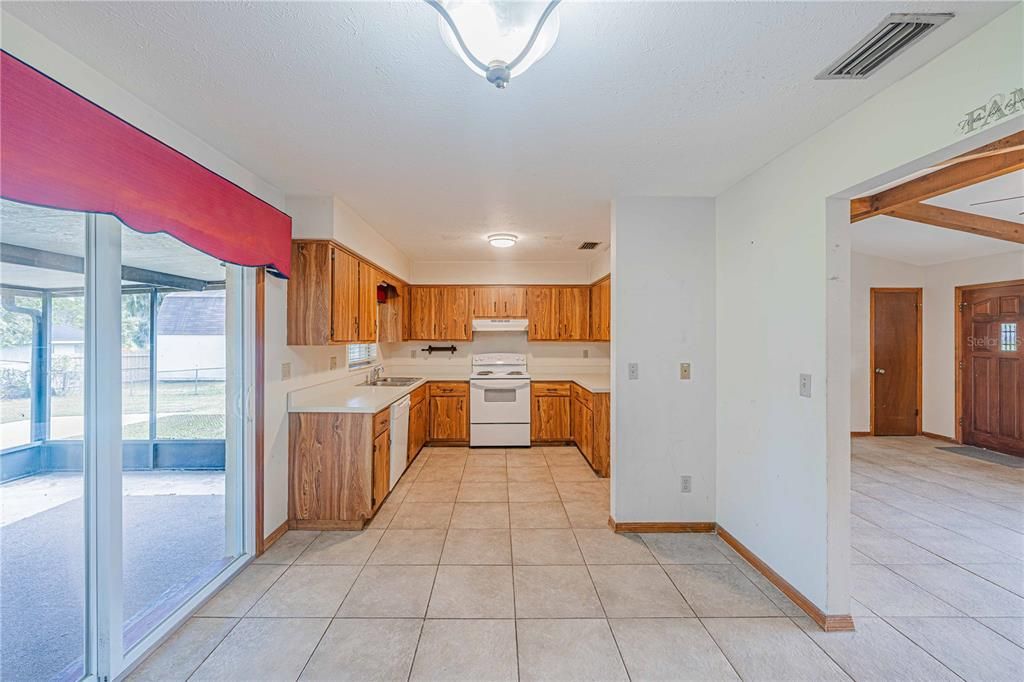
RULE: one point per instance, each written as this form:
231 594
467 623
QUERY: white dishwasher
399 439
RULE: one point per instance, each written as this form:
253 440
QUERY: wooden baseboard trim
273 537
662 526
315 524
860 434
828 623
936 436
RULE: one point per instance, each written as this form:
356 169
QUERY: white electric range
499 402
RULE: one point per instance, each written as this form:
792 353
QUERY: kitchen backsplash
581 355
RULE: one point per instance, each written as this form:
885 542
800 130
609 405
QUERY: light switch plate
805 385
334 362
286 371
634 370
684 371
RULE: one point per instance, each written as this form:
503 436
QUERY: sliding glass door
126 365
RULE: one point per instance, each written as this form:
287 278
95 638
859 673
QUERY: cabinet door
381 467
485 302
367 322
540 309
455 314
550 419
511 301
583 429
344 296
601 311
573 313
423 313
449 418
417 428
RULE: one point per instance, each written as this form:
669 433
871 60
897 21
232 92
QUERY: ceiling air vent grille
895 34
588 246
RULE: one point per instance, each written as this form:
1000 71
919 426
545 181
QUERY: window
361 355
1008 337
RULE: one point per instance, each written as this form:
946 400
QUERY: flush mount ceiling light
502 240
509 35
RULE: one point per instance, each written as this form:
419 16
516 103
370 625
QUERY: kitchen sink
392 381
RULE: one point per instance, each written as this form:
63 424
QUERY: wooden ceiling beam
964 222
991 161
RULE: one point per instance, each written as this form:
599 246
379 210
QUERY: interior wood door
367 322
381 467
896 362
344 296
423 302
540 309
992 368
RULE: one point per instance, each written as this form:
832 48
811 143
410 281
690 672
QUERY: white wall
500 272
780 282
601 265
663 313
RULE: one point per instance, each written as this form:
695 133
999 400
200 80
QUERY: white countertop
343 396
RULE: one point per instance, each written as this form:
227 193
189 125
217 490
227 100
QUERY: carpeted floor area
168 539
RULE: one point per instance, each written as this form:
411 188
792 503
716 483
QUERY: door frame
958 351
920 349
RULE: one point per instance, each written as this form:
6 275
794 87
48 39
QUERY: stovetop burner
484 372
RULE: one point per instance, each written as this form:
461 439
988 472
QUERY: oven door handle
502 384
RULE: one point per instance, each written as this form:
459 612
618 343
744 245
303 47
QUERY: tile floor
495 565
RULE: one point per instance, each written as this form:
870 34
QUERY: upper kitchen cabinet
366 320
424 304
558 313
493 301
439 313
601 310
540 311
455 320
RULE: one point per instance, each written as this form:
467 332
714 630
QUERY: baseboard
274 537
828 623
860 434
929 434
315 524
662 526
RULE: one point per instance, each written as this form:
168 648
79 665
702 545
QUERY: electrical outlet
634 371
805 385
334 362
684 371
286 371
412 354
686 484
586 353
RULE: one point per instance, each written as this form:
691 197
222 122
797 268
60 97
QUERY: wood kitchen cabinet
424 305
549 418
455 319
558 313
583 429
439 314
417 422
540 313
366 320
601 310
448 411
381 459
494 301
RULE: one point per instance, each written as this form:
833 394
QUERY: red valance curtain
60 150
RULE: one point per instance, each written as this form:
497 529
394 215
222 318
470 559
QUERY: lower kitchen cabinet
381 467
549 412
417 422
583 429
449 411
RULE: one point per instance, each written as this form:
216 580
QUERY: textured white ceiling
364 101
1001 197
920 244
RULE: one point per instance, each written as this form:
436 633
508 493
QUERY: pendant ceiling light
498 38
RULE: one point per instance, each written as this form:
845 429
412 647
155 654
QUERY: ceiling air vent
588 246
895 34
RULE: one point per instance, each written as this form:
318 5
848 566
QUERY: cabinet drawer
380 422
549 388
449 388
417 396
584 396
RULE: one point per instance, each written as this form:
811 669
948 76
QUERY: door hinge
962 364
917 413
963 306
960 421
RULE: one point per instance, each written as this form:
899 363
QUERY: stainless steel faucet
375 374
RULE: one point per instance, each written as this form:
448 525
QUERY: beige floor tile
547 546
951 546
264 649
521 474
389 592
888 594
877 651
306 592
720 590
487 452
965 646
525 458
603 546
244 590
479 474
495 458
409 547
886 548
480 515
472 592
420 515
445 472
580 491
341 547
538 515
669 649
184 651
1010 628
563 450
857 557
483 492
784 603
382 519
574 472
446 459
563 459
555 592
433 491
771 649
364 650
587 514
532 491
963 590
288 547
566 650
638 592
471 546
685 548
1007 576
469 650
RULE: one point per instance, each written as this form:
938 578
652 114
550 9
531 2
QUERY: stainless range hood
484 324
